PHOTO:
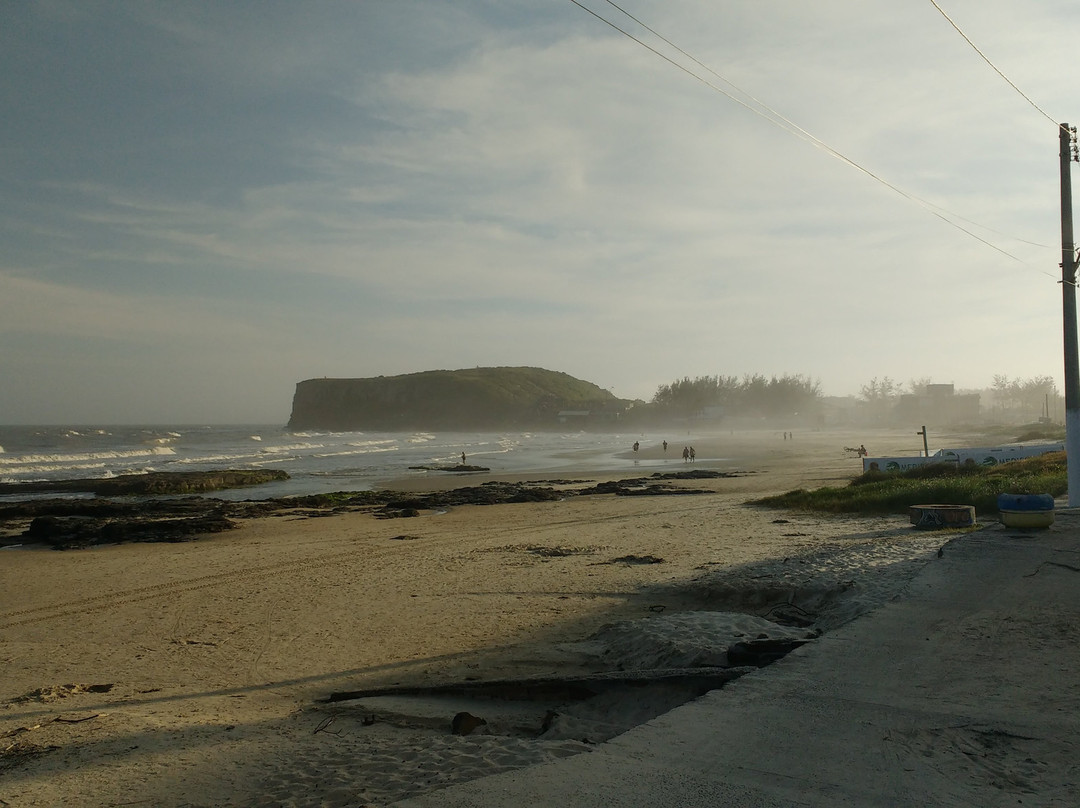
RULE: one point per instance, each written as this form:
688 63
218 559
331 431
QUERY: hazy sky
203 203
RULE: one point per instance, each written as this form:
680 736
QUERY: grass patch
1022 433
934 484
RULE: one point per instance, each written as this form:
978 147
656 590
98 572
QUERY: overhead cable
782 122
798 130
986 59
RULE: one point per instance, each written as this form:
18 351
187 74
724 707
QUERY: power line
798 130
986 59
784 123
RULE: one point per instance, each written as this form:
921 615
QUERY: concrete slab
965 692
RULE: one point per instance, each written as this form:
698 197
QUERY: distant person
665 446
463 458
685 454
862 450
693 454
636 446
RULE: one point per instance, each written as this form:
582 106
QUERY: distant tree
686 397
753 394
1025 398
883 391
880 396
1036 392
1006 392
918 386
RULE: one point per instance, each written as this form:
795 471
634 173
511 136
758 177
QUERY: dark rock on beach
154 484
458 467
74 532
74 523
696 474
491 493
640 487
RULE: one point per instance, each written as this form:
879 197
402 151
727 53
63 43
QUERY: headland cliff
469 399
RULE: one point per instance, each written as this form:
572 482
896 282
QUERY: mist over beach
317 462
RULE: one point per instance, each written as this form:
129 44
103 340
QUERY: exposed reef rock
153 484
77 523
475 398
74 532
458 467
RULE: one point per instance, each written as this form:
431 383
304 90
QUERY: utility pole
1067 153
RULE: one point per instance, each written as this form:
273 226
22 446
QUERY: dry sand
196 673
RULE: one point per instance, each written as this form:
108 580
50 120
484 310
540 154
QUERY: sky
204 203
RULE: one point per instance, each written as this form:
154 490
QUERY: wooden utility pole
1066 136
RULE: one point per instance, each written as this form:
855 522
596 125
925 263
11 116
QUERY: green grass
1054 433
933 484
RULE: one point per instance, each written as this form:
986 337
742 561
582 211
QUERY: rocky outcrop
77 523
153 484
471 399
76 532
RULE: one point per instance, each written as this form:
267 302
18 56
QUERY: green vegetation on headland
473 398
876 492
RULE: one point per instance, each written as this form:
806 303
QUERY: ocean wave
77 433
222 458
322 434
373 450
32 469
64 460
264 461
290 447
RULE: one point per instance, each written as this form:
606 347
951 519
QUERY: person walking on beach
463 458
685 454
636 445
693 454
665 446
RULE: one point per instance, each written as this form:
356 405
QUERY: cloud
361 188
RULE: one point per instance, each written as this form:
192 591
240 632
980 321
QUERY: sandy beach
199 673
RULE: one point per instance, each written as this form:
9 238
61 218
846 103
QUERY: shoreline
216 653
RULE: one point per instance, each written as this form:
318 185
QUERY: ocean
317 462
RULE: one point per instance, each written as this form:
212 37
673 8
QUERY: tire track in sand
98 603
